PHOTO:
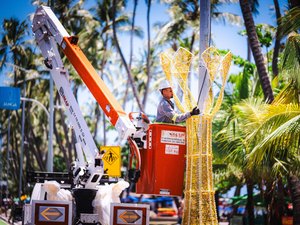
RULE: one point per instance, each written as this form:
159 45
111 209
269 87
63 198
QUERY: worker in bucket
165 110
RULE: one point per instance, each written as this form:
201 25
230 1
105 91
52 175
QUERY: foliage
291 59
59 164
289 22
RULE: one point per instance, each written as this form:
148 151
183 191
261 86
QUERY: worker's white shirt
167 114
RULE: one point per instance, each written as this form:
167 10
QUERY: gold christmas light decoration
199 200
176 66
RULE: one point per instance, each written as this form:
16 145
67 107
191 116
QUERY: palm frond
291 59
231 18
279 132
249 111
289 23
289 94
285 136
279 167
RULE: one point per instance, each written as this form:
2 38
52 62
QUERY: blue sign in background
10 98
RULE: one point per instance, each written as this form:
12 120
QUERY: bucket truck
161 147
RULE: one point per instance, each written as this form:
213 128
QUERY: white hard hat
164 84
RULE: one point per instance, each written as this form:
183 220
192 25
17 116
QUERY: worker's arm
166 114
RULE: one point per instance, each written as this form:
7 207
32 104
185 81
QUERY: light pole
7 154
37 102
22 144
50 137
204 82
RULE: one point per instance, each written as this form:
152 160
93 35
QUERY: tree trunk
217 198
277 42
268 200
131 51
97 117
294 3
248 50
148 54
294 187
15 158
250 201
123 59
59 140
131 33
272 201
280 201
67 151
104 129
256 50
237 192
36 150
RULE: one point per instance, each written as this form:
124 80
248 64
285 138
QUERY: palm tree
286 24
148 54
232 140
16 53
12 46
277 42
290 22
131 48
276 139
256 50
185 15
114 9
100 41
276 145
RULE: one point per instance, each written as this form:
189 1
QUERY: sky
224 36
227 37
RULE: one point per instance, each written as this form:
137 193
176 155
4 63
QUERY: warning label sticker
172 150
172 137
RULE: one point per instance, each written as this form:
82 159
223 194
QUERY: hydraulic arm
49 33
45 26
